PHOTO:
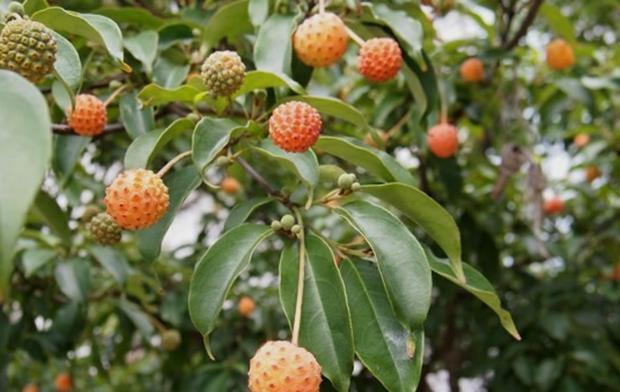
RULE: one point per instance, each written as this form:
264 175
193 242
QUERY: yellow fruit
321 40
280 366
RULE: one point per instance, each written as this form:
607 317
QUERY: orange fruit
560 55
230 185
379 59
30 388
581 140
295 126
553 206
63 382
246 306
443 140
89 116
280 366
472 70
321 40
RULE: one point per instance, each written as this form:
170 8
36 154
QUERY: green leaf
136 119
143 46
67 152
32 6
180 184
49 212
68 64
381 341
132 15
305 165
216 272
72 277
334 107
154 95
168 73
400 257
35 258
146 146
242 211
113 261
256 80
25 151
210 137
325 328
377 163
407 29
426 212
560 24
479 286
221 24
258 11
273 47
138 317
96 28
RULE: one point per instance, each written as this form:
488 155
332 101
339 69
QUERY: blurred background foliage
100 315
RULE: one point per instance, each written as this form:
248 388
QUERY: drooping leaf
36 258
68 64
47 210
479 286
273 49
168 73
381 341
426 212
216 272
72 277
211 135
305 165
67 152
242 211
113 261
255 80
132 15
325 327
32 6
258 11
25 151
96 28
220 26
154 95
400 258
143 46
180 184
138 317
378 163
334 107
136 119
406 28
146 146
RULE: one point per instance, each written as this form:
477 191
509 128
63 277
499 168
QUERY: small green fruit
345 181
170 339
223 73
287 222
193 117
222 161
296 229
356 186
276 225
104 229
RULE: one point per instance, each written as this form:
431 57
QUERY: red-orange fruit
472 70
321 40
560 55
379 59
443 140
30 388
230 185
581 140
246 306
89 116
553 206
280 366
136 199
295 126
63 383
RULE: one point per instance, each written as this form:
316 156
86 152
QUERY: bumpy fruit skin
581 140
246 306
28 48
136 199
223 73
295 126
230 186
472 70
560 55
89 116
280 366
379 59
443 140
553 206
63 383
104 229
170 339
321 40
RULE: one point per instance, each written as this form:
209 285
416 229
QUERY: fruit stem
321 6
300 280
115 94
443 100
355 37
172 162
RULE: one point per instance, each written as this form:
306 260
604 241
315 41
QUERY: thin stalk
115 94
300 280
172 162
322 6
355 37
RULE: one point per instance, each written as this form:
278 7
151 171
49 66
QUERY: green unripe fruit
345 181
114 84
16 8
223 73
356 186
170 339
296 229
104 229
222 161
193 117
89 213
287 222
276 225
27 48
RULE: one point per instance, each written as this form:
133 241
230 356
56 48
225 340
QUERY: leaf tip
205 341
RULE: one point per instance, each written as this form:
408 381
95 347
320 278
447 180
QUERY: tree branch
262 181
525 25
64 129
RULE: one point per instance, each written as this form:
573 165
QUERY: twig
64 129
525 25
162 172
300 280
270 189
355 37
